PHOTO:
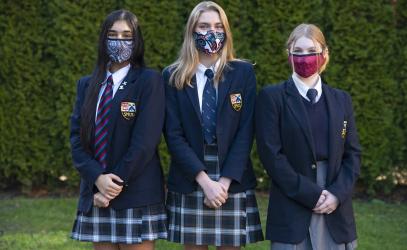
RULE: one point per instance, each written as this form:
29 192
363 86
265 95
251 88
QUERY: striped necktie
102 121
209 109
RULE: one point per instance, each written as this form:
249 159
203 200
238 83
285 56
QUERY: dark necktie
102 121
312 95
209 108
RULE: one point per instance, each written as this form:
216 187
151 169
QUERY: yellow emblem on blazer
128 110
236 101
345 123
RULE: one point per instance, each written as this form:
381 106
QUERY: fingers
100 201
224 194
321 200
113 186
116 178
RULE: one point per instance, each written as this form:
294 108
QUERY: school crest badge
236 101
128 110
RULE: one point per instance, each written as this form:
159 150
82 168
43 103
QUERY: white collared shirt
303 88
201 80
118 77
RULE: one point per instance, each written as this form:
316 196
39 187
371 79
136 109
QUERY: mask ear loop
322 53
291 57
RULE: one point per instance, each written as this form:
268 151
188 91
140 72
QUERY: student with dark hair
116 126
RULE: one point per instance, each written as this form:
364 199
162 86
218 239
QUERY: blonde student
209 129
307 141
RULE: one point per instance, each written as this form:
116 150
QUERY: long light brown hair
183 69
312 32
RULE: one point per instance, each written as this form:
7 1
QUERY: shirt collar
202 68
303 88
119 75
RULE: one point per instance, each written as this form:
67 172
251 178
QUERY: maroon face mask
306 65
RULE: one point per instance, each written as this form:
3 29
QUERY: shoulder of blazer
240 66
83 81
342 97
274 89
151 74
167 71
340 94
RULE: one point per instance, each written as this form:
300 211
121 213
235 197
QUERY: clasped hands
216 192
108 189
327 203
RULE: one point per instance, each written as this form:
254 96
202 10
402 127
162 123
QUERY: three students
205 104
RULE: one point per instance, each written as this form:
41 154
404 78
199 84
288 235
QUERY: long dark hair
99 73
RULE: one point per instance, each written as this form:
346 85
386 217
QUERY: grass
46 223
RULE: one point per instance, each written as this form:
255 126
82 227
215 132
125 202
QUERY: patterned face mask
210 42
119 50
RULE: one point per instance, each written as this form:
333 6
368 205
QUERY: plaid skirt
235 223
126 226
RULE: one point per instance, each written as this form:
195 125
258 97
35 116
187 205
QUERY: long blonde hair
312 32
183 69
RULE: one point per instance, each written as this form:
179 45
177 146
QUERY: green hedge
45 46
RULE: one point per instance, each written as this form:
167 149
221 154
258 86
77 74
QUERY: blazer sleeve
342 186
146 133
89 169
180 150
239 153
268 137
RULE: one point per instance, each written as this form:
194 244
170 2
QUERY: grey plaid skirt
126 226
235 223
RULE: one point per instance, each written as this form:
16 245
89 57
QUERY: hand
321 200
107 187
99 200
226 182
329 205
215 192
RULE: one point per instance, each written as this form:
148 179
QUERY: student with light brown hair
307 141
209 129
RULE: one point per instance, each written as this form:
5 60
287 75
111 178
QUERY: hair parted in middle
183 69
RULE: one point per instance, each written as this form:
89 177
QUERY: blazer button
313 166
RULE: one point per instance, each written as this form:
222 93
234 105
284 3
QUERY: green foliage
45 46
24 225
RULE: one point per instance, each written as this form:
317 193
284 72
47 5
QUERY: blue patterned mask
119 50
210 42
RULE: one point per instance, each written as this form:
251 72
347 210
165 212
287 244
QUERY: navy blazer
285 147
132 143
234 130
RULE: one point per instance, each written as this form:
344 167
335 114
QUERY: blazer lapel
130 79
296 105
192 93
335 126
223 90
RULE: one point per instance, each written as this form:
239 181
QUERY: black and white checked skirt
235 223
126 226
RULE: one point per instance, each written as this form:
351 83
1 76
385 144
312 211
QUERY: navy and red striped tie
102 121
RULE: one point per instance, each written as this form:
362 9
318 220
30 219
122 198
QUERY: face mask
306 65
210 42
119 50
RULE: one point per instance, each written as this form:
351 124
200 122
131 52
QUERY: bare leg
105 246
195 247
145 245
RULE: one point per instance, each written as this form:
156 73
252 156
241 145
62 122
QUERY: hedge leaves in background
46 46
